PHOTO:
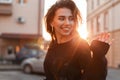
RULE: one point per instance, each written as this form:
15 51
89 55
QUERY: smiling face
63 22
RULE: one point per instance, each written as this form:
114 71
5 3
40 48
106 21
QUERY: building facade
20 23
104 16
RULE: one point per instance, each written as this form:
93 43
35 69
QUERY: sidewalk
4 67
113 74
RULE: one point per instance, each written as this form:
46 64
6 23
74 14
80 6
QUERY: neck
63 39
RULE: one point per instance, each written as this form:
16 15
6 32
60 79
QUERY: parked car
28 51
33 64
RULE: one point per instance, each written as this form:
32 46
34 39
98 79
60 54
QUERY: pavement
113 73
18 67
9 67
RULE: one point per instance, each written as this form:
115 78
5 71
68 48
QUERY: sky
81 4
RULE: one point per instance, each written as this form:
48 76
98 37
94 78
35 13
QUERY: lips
65 28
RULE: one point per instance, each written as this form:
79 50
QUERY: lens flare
82 30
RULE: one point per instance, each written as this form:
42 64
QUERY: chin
66 34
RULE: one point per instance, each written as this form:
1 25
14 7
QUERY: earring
52 27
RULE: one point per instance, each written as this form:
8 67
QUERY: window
106 21
92 4
92 28
22 1
5 1
98 2
6 7
98 24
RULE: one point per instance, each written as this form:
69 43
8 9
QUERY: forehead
63 12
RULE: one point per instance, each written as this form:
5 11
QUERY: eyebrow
64 16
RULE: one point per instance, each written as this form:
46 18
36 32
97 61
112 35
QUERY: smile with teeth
65 28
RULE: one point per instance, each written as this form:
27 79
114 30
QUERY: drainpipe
39 21
40 15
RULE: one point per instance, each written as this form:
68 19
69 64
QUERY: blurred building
20 23
104 16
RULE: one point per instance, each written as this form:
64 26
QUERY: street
18 75
113 74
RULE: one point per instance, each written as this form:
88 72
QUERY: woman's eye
71 18
61 18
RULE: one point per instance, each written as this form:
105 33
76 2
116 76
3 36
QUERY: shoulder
83 44
83 54
83 47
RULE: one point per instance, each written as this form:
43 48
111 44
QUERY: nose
67 21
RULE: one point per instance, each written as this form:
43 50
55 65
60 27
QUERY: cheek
74 25
57 24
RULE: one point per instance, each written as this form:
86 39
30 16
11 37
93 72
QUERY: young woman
69 57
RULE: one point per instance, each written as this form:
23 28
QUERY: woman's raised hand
104 37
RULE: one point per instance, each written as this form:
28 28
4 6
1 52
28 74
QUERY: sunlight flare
83 32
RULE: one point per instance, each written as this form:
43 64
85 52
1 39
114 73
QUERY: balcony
5 7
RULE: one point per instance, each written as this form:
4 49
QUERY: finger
111 41
106 37
101 37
